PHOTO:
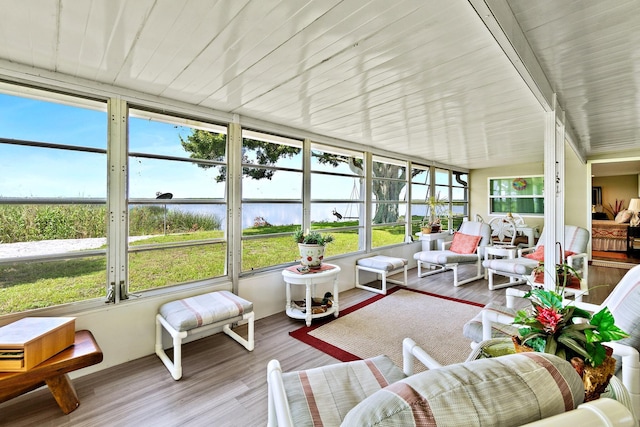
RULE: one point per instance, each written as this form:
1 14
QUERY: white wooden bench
197 314
384 266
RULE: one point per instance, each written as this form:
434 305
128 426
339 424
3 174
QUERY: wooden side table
54 373
310 280
633 233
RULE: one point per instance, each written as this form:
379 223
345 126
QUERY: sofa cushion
473 328
338 387
508 391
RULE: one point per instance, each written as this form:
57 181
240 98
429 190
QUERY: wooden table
54 373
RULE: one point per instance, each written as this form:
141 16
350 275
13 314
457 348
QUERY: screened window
53 185
523 195
459 197
337 199
271 199
388 186
420 191
177 200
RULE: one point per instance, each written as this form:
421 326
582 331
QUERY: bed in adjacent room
610 235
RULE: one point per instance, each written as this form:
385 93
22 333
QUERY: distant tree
207 145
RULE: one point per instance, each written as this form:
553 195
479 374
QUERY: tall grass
26 223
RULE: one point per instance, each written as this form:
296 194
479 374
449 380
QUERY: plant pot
571 280
426 229
597 379
311 255
520 348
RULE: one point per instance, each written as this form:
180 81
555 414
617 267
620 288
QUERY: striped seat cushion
383 263
473 328
506 391
205 309
324 396
515 266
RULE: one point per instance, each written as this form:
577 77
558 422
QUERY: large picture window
522 195
101 199
271 199
337 199
389 200
177 200
53 184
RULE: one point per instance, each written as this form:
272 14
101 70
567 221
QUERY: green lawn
31 285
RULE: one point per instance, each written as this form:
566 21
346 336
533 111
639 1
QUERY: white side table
530 232
309 280
440 238
505 251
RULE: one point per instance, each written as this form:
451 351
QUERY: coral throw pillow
538 255
464 243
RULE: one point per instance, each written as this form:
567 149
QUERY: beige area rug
378 326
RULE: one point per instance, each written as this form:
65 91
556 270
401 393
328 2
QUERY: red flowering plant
565 330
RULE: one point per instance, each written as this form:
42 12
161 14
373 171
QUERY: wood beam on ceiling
500 21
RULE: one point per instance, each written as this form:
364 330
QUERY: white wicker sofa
510 390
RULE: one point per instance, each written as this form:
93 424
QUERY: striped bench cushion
205 309
383 263
324 396
506 391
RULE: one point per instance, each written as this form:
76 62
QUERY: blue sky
54 173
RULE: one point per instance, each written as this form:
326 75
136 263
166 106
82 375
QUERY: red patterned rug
379 324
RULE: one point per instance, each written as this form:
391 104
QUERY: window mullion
117 233
234 200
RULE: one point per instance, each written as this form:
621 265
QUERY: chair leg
437 269
175 366
479 274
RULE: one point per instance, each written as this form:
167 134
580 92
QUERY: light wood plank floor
223 384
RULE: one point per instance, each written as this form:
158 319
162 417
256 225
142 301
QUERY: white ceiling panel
426 79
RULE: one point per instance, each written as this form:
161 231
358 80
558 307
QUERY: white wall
479 184
577 189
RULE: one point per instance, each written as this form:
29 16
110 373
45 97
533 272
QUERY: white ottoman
199 313
384 266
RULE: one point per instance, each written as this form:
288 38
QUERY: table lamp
634 206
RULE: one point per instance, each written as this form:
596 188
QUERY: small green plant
312 237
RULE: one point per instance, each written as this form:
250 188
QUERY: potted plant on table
571 333
311 245
436 207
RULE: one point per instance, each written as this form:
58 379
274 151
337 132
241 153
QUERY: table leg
336 305
288 295
63 391
309 304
